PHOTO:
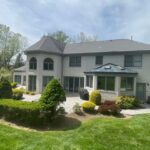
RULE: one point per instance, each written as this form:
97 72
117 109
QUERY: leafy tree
60 36
10 44
19 61
82 37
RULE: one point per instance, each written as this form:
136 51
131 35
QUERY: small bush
13 84
95 97
88 106
29 92
84 94
17 94
127 102
52 96
77 109
5 89
26 113
109 107
32 93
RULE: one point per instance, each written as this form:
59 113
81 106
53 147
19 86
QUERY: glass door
71 84
76 84
32 83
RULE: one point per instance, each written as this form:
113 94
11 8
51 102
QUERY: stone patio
72 99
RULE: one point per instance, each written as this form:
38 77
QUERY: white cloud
105 18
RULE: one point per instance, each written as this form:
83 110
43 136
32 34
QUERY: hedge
26 113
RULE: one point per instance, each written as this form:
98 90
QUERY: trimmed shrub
26 113
84 94
32 93
95 97
13 84
77 109
29 92
17 94
52 96
109 107
127 102
5 89
88 106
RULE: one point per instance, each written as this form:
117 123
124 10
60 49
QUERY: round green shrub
13 84
88 106
52 96
95 97
127 102
5 89
17 94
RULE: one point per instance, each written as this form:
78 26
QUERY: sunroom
112 81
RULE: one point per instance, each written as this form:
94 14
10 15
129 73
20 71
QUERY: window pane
101 83
81 82
46 79
128 61
137 61
75 61
89 81
32 83
110 83
33 63
123 83
99 60
48 64
66 83
133 61
18 79
129 85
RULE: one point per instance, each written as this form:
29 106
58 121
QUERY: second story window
48 64
33 63
99 60
133 60
75 61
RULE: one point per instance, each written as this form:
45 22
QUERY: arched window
33 63
48 64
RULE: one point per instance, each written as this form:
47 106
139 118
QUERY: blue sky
108 19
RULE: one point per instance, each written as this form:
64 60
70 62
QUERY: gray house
115 67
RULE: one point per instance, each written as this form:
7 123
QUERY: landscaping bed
25 113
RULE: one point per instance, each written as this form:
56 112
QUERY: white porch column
84 81
94 82
134 86
117 85
22 78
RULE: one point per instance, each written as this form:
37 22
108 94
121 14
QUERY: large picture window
89 81
75 61
48 64
127 83
33 63
133 60
106 83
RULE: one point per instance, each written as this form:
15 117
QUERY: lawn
96 134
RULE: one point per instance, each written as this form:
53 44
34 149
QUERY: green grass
95 134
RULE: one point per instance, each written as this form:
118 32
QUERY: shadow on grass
60 123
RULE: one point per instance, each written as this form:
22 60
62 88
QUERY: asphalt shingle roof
50 45
111 68
47 44
120 45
